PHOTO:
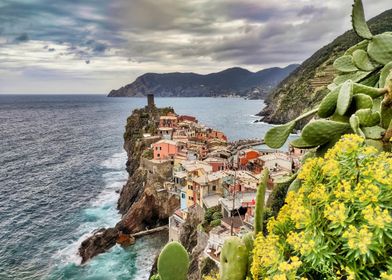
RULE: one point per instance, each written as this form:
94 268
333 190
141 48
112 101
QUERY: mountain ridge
232 81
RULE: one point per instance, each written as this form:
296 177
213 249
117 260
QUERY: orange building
165 149
248 155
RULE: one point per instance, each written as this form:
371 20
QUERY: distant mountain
306 86
232 81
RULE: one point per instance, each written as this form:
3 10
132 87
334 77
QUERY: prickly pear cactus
260 197
173 262
234 259
360 97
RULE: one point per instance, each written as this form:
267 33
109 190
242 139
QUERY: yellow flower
336 212
386 276
376 217
331 168
343 190
358 240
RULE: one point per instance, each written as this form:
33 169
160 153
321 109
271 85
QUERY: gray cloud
127 38
24 37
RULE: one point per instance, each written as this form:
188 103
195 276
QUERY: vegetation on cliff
307 85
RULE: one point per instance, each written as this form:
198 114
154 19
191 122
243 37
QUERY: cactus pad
371 91
386 114
344 97
260 197
384 74
362 60
354 122
373 132
328 104
173 262
321 131
367 117
380 48
277 136
360 46
354 76
233 259
301 144
359 22
362 101
345 64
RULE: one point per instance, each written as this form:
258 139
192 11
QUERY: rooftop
166 141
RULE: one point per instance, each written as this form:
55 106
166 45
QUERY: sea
62 164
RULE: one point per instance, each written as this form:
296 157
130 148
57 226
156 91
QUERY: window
213 188
190 198
158 155
183 195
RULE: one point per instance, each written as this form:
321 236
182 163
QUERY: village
211 176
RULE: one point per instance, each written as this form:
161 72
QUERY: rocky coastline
142 203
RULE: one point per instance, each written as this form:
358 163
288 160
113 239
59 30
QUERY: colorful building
165 149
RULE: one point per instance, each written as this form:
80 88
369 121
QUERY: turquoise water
61 163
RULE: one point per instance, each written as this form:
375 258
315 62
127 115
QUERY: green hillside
306 86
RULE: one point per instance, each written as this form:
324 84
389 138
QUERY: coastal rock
143 202
102 240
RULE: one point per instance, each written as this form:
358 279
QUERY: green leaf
345 64
373 132
321 131
277 136
362 60
344 97
384 74
358 21
380 48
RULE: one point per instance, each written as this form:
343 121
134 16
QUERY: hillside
306 86
232 81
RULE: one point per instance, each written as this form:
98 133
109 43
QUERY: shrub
217 216
215 223
338 224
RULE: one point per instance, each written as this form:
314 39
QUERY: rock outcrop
143 202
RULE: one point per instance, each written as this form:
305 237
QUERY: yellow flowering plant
338 224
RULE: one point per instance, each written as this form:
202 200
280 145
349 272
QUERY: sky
93 46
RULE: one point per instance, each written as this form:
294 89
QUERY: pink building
165 149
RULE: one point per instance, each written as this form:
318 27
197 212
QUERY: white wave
103 208
116 161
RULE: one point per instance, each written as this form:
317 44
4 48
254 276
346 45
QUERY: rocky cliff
306 85
142 202
233 81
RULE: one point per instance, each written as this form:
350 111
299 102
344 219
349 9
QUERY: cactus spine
173 262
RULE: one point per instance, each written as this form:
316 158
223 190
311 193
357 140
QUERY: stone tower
150 101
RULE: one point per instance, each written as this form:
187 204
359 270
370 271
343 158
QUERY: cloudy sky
93 46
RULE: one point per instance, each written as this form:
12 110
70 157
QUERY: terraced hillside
306 86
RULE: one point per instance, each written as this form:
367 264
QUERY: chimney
150 102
